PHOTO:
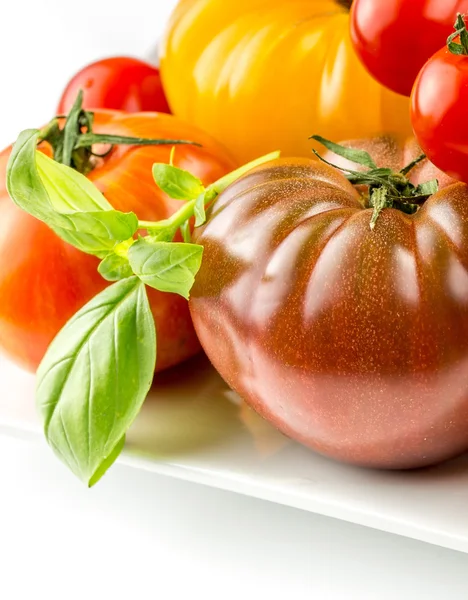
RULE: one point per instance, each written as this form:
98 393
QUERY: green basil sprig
64 199
177 183
165 266
95 377
97 372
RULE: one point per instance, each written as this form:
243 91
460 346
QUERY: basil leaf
107 462
177 183
168 267
199 210
185 231
202 202
115 267
361 157
64 200
95 376
67 189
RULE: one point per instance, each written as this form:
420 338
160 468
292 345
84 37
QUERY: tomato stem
460 48
72 139
387 188
172 224
220 185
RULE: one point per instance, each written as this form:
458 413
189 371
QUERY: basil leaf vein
95 377
166 266
64 199
177 183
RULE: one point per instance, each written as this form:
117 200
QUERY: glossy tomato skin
395 38
263 75
119 83
438 106
351 341
44 281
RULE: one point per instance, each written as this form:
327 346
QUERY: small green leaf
115 267
464 38
459 24
64 200
379 201
360 157
460 30
456 48
168 267
199 210
412 164
177 183
67 189
95 377
185 231
107 462
201 203
427 189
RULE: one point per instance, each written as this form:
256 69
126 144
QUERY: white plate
194 427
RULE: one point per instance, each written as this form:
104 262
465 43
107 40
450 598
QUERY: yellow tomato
262 75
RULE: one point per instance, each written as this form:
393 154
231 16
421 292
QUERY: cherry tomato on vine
394 38
438 108
120 83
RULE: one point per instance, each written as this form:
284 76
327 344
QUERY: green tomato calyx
72 139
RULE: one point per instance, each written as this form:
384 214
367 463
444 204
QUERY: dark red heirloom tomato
44 280
351 341
120 83
438 110
394 38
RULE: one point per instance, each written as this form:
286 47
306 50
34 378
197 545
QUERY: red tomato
351 341
44 281
438 107
394 38
120 83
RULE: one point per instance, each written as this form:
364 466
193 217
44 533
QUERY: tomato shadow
455 468
189 408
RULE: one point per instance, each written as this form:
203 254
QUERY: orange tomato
263 75
44 280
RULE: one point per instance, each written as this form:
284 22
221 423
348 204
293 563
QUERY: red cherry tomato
438 112
394 38
121 83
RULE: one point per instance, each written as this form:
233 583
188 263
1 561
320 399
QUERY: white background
138 535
